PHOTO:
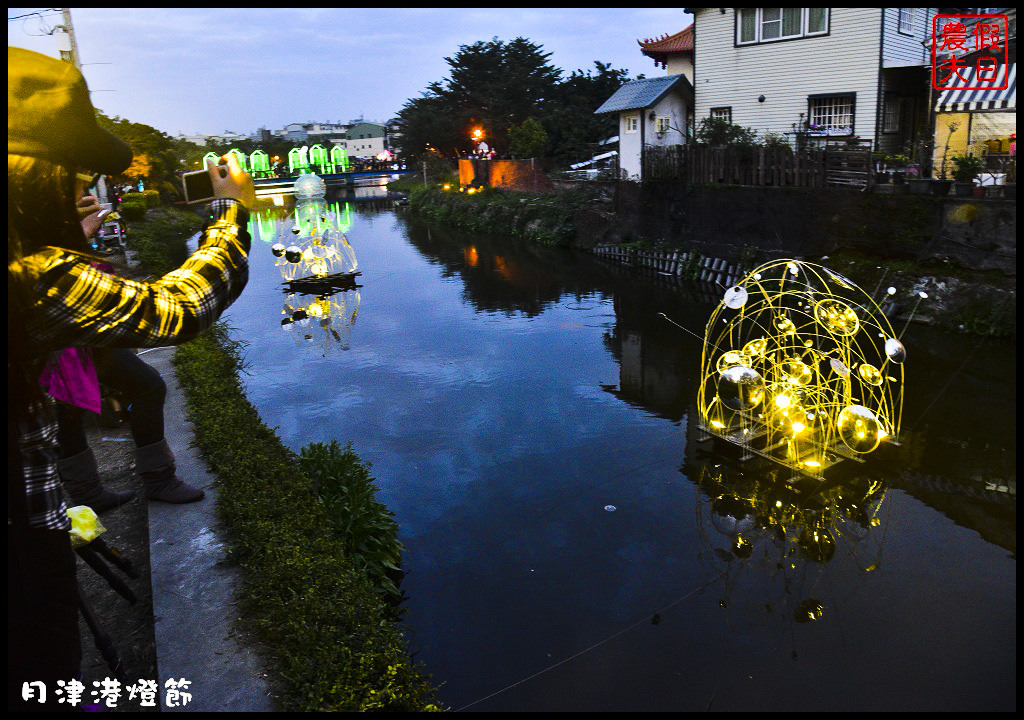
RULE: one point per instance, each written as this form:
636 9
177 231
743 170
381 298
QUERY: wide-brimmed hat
50 116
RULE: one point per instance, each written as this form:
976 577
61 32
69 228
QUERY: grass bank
320 557
158 239
311 542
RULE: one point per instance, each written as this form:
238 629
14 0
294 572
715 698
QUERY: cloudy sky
196 70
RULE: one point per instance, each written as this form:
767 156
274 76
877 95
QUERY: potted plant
918 184
1010 188
881 159
899 164
967 169
941 186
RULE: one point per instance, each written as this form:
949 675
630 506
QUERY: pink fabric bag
72 380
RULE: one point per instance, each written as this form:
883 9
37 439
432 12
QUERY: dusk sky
199 70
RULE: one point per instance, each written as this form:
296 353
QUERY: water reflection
318 267
507 394
786 530
323 318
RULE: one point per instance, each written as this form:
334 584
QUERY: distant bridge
273 186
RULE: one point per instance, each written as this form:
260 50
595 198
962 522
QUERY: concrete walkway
194 589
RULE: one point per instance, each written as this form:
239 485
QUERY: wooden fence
778 167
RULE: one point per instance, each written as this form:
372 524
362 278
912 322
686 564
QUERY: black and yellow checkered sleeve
80 305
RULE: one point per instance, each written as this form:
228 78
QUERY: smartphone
198 186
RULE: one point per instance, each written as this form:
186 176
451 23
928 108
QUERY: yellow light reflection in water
753 522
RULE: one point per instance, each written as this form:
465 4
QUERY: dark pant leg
43 644
71 430
143 390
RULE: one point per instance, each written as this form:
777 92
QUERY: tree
492 85
527 140
156 162
573 128
140 169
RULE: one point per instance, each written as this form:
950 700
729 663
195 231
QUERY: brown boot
155 463
81 479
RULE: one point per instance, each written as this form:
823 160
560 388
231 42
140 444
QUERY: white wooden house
828 73
652 112
655 112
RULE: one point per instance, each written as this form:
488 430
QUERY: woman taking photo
58 299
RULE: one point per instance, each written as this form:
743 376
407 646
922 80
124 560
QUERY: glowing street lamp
478 140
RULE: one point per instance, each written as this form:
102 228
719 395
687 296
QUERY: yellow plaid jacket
79 305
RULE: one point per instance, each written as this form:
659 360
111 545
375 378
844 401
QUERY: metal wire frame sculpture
801 366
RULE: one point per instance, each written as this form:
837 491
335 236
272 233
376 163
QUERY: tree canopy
573 128
157 157
495 87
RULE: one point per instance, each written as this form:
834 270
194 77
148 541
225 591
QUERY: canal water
529 417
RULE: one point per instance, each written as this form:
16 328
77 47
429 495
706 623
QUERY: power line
38 12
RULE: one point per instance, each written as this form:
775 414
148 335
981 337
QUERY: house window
891 114
759 25
907 21
631 123
662 125
831 115
817 21
721 113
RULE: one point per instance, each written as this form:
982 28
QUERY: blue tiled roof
639 94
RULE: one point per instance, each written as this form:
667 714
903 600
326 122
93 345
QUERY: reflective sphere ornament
859 428
293 253
741 388
277 249
735 297
731 359
895 351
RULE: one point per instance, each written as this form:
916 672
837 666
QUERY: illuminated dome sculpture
313 242
319 270
802 367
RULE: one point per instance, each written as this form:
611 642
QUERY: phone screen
198 186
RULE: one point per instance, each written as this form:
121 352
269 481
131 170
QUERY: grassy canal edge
319 555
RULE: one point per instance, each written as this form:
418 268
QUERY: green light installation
318 156
259 161
298 160
240 156
339 158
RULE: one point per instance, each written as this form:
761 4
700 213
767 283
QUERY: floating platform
325 285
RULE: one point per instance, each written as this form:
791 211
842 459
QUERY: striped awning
959 99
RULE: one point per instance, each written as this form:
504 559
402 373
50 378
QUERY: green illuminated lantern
339 158
260 163
297 160
240 156
318 156
210 157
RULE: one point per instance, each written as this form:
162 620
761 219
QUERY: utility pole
68 45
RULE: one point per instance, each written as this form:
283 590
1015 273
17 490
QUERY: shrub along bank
158 238
319 554
545 218
317 551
